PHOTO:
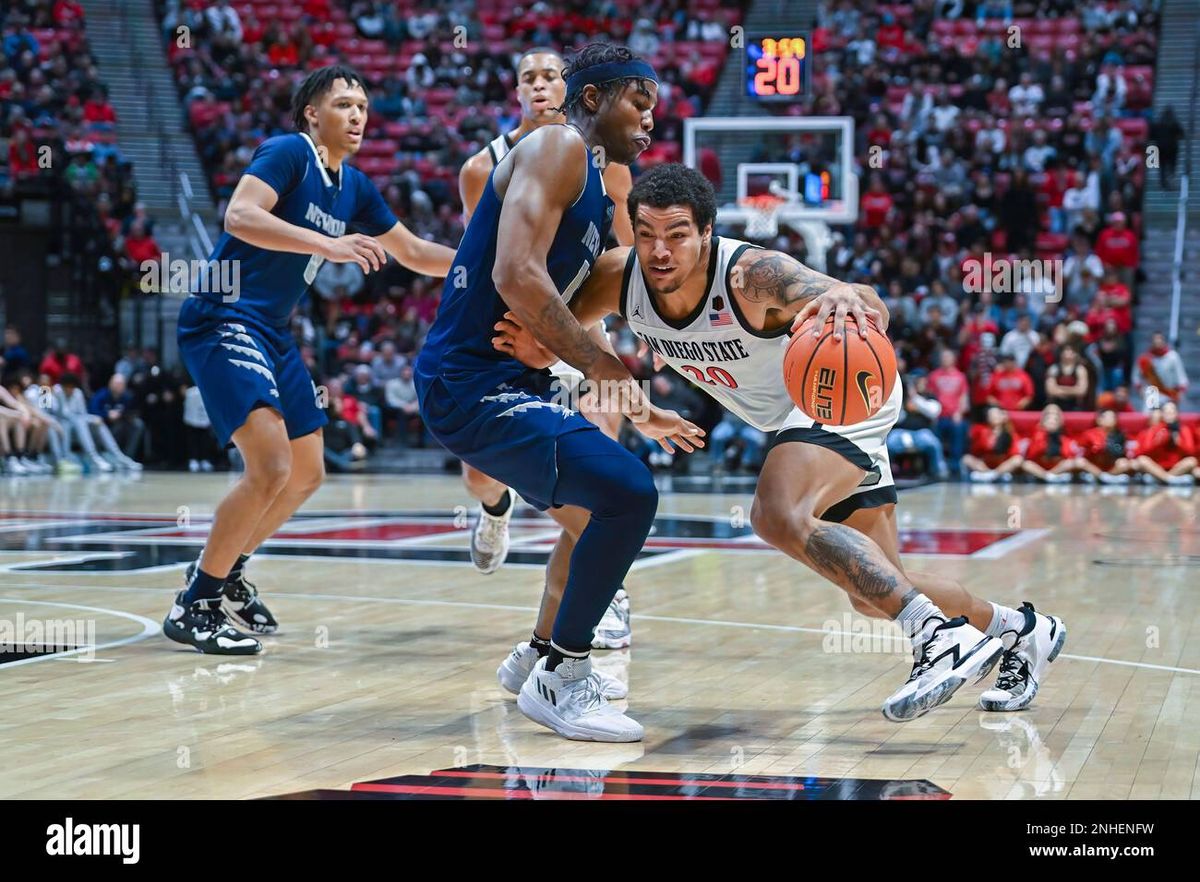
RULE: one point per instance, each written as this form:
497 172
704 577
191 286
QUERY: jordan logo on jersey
326 222
591 239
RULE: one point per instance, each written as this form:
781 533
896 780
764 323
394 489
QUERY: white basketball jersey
715 347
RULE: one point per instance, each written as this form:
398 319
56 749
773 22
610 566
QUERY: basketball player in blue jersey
540 92
535 234
298 204
825 495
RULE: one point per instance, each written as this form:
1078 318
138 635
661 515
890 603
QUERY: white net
762 216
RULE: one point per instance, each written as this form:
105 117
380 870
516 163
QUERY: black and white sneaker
241 603
946 654
1023 668
203 625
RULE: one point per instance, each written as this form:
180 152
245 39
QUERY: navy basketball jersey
271 283
459 345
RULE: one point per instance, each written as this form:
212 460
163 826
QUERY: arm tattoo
554 326
845 557
781 281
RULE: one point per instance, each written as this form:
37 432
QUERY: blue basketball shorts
511 432
240 364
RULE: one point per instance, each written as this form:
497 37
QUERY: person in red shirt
140 245
97 110
889 34
1117 246
1112 301
1054 185
949 386
1167 448
1101 450
58 361
876 204
253 30
1051 453
22 156
1010 387
67 12
993 454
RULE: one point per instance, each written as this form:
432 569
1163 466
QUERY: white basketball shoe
614 630
1023 667
946 654
489 539
570 701
516 667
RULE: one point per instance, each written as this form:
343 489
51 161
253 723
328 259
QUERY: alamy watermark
1002 275
179 276
853 635
22 637
628 397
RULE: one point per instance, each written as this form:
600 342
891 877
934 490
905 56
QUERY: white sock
915 613
1006 623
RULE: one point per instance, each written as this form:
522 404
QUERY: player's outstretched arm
248 217
599 296
788 288
427 258
544 179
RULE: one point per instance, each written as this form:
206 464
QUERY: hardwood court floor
742 659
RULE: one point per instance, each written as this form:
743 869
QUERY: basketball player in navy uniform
540 92
825 495
298 204
536 232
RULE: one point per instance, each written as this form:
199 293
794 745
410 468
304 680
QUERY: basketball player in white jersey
541 91
718 311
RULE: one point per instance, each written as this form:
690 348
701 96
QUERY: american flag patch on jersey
720 319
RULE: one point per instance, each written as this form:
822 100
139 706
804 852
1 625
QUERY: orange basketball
839 383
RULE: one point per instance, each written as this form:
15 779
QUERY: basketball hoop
762 215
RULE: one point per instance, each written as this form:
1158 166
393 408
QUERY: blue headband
599 74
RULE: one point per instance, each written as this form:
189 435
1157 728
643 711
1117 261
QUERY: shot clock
777 66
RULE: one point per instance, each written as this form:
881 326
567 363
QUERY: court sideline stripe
678 620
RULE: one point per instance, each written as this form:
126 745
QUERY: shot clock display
777 66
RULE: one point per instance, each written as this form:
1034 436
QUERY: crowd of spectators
992 135
442 85
972 150
58 129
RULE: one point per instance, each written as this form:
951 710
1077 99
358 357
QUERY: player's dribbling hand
668 428
840 300
515 341
356 248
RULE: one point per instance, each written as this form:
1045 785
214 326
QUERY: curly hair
675 184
